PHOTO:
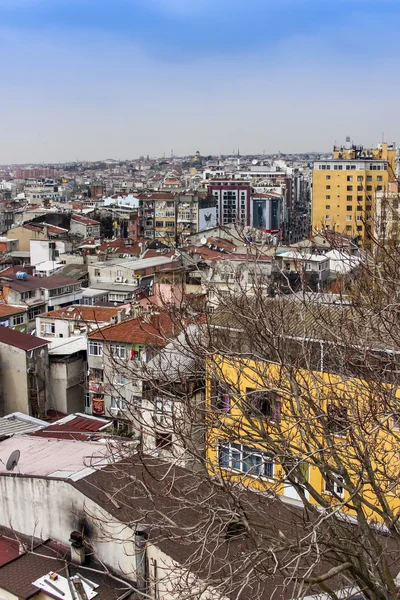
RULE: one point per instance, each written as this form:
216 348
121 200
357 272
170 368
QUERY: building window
18 320
369 188
379 178
359 227
328 197
349 228
360 178
159 223
118 351
328 187
328 177
349 188
327 217
245 459
96 374
163 440
359 208
359 188
47 328
328 207
118 402
95 348
264 403
349 208
369 177
119 379
359 198
331 487
349 198
88 402
348 218
349 177
338 420
220 399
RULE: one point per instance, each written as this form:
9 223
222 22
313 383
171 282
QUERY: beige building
23 373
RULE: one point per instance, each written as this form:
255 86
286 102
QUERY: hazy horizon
95 79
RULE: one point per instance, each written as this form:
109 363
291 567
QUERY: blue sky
94 79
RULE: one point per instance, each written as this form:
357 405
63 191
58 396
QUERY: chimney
78 554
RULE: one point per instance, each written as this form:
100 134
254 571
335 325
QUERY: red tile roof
151 253
84 220
7 310
75 429
15 338
138 331
98 314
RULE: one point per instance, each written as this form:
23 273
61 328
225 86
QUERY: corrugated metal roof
11 425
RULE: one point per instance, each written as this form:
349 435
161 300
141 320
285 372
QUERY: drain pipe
141 560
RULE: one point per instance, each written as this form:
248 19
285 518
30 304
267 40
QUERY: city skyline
118 80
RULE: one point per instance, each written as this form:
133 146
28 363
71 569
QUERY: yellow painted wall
331 196
321 387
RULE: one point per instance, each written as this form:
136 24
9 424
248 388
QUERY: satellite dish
13 460
203 240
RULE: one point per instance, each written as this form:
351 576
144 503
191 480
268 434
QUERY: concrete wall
66 385
13 374
24 236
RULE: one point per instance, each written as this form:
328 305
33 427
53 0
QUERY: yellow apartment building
345 186
258 431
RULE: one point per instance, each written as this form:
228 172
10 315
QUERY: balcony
96 386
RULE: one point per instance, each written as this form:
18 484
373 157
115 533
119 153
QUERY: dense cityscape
199 383
199 300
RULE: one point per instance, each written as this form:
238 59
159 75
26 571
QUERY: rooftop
84 220
67 346
19 423
7 310
62 459
138 331
19 576
15 338
35 283
81 312
74 427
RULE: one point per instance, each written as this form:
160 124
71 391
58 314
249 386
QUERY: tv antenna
13 460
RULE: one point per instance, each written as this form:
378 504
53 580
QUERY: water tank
21 275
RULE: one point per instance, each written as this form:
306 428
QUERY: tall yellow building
344 188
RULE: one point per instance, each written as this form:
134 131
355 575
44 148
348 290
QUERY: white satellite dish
203 240
13 460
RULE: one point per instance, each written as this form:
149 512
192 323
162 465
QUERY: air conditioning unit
114 410
119 279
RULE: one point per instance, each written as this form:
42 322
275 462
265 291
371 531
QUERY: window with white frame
118 351
47 328
245 459
118 402
95 348
88 401
333 487
18 320
119 379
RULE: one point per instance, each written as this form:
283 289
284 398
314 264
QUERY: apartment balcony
96 387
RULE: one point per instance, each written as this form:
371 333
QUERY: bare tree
294 397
